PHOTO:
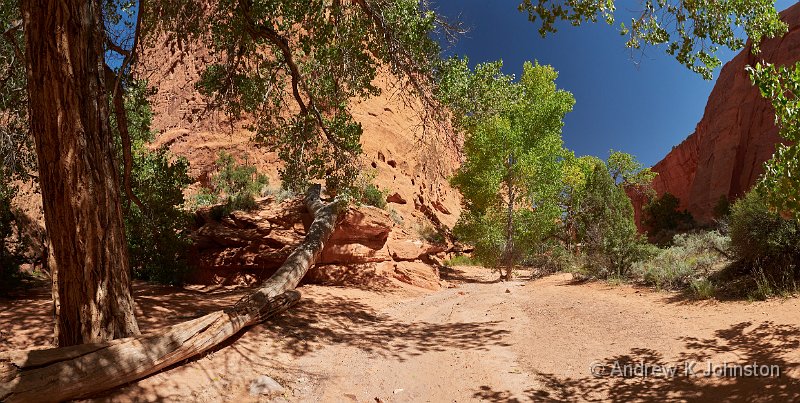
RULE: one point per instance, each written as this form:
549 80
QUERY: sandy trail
480 340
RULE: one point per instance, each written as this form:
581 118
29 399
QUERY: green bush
606 227
158 237
760 235
703 288
372 196
9 260
685 264
461 260
765 244
158 231
233 186
664 220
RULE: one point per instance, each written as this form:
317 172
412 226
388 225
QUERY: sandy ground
479 340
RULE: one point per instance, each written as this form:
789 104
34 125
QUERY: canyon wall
737 134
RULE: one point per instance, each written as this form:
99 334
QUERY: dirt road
482 340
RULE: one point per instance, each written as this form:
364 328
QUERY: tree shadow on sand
745 343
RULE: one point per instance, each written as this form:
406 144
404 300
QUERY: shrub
723 208
372 196
606 227
158 237
664 220
233 185
158 231
759 235
461 260
552 259
9 260
685 264
703 288
432 235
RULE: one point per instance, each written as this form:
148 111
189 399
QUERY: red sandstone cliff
725 154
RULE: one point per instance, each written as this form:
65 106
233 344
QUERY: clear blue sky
642 109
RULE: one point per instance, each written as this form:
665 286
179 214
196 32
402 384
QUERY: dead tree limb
78 371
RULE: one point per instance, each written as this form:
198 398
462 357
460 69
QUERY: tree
626 171
781 180
69 120
329 52
663 218
692 31
512 172
605 225
157 226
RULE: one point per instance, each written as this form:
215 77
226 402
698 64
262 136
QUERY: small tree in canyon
511 177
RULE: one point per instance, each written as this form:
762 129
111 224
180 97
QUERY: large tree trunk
80 371
80 192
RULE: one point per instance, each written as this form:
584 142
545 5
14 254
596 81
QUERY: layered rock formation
367 248
737 134
371 245
411 167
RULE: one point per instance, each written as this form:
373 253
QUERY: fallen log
79 371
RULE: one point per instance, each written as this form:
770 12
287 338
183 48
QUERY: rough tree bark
69 122
80 371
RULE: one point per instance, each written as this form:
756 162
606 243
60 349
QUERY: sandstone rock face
725 154
406 164
366 249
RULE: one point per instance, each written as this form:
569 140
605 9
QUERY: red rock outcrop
406 164
367 248
725 154
370 243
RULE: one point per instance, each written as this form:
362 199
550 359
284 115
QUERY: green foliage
781 181
664 220
513 154
691 31
461 260
364 191
16 145
372 196
329 51
702 288
760 237
604 224
157 234
234 186
723 208
627 171
9 260
158 237
686 264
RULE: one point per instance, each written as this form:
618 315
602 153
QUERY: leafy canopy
513 153
781 180
295 66
692 31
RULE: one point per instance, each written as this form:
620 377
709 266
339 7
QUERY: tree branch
268 33
78 371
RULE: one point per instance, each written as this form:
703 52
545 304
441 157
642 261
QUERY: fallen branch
78 371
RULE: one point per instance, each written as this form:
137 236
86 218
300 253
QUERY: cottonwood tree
692 32
511 176
781 181
69 116
295 66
